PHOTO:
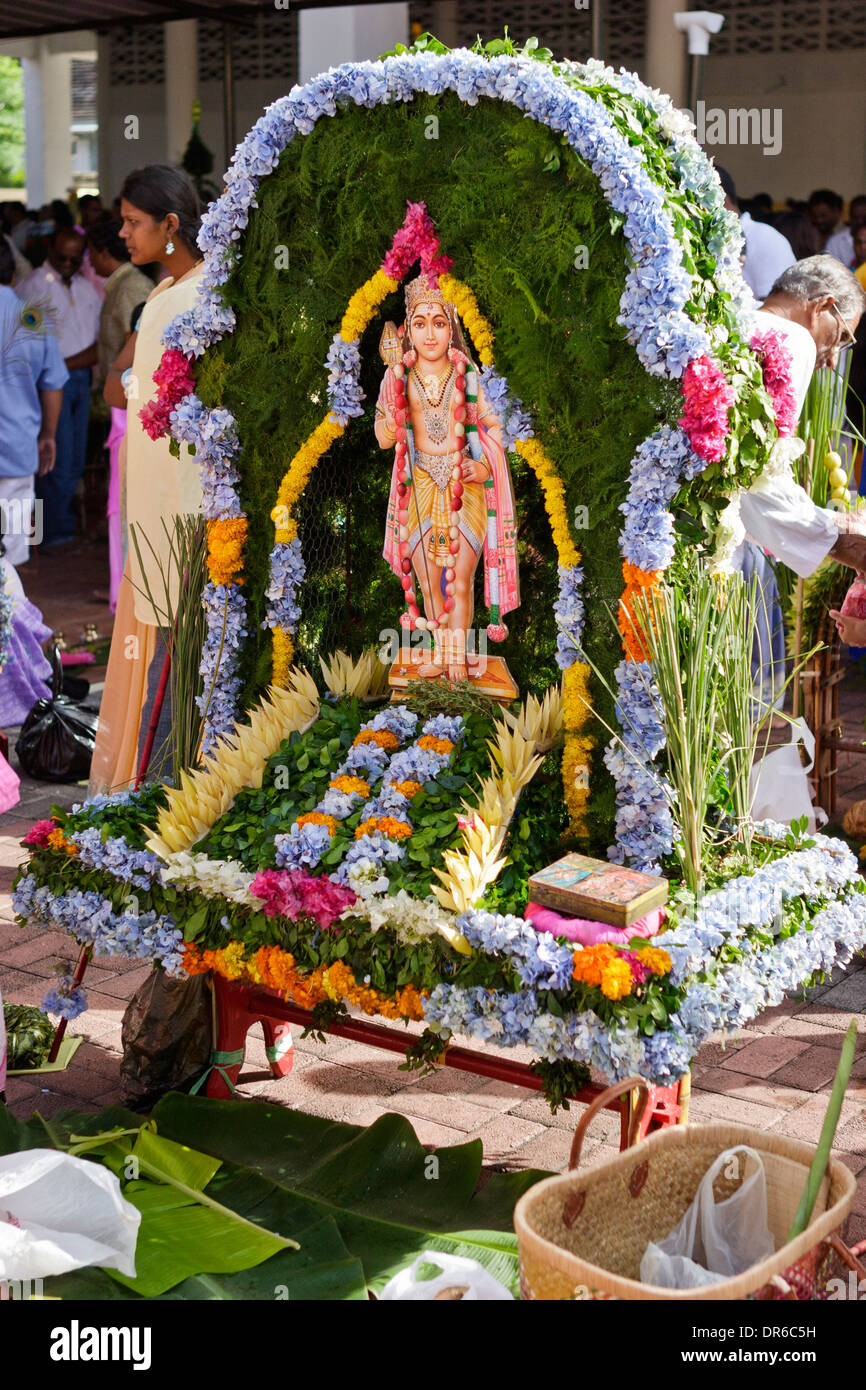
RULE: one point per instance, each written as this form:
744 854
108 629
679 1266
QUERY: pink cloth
112 511
591 933
9 786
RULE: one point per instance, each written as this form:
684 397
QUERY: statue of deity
451 496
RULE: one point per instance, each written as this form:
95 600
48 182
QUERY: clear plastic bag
715 1240
459 1280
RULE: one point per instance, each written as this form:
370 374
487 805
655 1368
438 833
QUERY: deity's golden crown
423 290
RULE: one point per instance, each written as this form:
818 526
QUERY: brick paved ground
774 1074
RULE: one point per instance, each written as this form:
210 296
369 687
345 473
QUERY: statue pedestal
490 677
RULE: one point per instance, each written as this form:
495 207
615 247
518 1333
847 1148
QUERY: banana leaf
361 1202
389 1201
322 1270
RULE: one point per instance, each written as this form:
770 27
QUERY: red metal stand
238 1006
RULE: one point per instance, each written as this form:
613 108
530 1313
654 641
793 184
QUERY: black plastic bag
166 1036
58 736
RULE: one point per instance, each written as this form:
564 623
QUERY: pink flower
174 375
776 362
174 380
323 899
707 397
38 833
497 632
416 241
155 417
640 973
275 887
292 893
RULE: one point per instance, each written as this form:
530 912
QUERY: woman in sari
160 211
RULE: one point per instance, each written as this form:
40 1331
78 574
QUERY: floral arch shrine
571 230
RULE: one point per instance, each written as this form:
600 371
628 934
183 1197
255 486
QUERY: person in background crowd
825 213
798 231
21 263
19 223
90 210
841 244
859 244
760 207
767 251
73 308
32 377
61 214
125 287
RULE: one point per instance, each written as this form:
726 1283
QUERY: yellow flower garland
576 702
553 492
364 303
476 325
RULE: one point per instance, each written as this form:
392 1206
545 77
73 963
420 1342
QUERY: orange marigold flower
656 960
351 784
591 961
57 839
226 548
193 962
388 825
616 979
409 788
383 737
629 620
319 818
435 745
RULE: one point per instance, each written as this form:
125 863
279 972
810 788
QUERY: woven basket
583 1235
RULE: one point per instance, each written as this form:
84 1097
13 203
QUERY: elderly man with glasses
816 306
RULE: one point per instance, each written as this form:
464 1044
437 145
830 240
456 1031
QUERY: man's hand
47 454
850 546
851 630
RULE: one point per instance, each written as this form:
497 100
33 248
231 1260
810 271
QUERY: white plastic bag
58 1212
715 1240
780 784
456 1273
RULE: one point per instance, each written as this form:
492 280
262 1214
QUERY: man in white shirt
72 306
841 244
768 253
816 306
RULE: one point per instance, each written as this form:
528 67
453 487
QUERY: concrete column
345 33
666 63
57 118
445 22
181 85
34 136
105 173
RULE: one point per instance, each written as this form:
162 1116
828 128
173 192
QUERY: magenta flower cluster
292 893
708 398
